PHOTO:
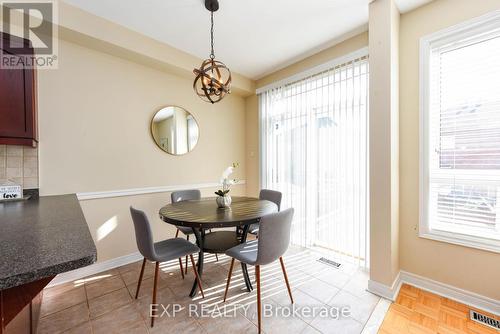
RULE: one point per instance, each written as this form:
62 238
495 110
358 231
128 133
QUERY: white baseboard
382 290
463 296
95 269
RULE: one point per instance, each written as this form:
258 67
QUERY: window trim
427 44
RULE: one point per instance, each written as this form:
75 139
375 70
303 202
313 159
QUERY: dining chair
161 251
271 245
270 195
186 195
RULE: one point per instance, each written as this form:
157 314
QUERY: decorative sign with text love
10 190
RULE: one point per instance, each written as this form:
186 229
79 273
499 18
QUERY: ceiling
253 38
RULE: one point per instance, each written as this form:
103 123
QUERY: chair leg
286 279
259 306
157 268
182 269
140 278
198 280
187 258
177 233
216 257
229 278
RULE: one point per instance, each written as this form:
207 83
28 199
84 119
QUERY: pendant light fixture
213 78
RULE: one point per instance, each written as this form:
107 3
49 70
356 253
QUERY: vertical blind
464 136
314 150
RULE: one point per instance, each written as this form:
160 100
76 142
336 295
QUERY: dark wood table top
204 213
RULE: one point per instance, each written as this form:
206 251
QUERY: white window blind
462 148
314 150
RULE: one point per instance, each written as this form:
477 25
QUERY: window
460 134
314 149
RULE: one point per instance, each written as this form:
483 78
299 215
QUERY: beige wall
94 120
466 268
105 36
111 227
252 102
338 50
252 145
384 141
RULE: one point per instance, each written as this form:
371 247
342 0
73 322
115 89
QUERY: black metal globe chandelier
213 78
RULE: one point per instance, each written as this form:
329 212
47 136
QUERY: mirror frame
153 137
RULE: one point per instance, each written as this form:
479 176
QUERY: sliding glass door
314 150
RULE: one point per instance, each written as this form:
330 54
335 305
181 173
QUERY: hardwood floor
416 311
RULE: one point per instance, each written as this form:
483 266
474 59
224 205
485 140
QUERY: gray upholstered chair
270 195
271 245
186 195
162 251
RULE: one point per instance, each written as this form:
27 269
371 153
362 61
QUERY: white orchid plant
226 181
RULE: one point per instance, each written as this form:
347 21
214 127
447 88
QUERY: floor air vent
329 262
484 319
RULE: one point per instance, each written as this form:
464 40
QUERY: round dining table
203 215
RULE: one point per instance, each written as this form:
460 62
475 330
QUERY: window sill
489 245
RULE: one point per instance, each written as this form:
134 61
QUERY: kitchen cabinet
18 116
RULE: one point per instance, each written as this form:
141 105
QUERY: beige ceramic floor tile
113 309
181 287
99 276
180 326
84 328
58 301
360 308
132 266
104 286
146 287
310 330
337 326
358 286
274 322
334 277
61 289
319 290
132 276
125 319
64 320
109 302
164 297
237 324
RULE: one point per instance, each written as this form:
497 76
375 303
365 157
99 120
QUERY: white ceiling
407 5
254 37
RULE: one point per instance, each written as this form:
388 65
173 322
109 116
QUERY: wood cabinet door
17 103
12 105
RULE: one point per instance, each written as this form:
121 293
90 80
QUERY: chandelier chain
212 53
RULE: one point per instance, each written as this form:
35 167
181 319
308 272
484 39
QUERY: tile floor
104 303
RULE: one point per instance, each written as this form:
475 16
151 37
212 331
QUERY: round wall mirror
174 130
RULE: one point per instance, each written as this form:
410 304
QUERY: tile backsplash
20 165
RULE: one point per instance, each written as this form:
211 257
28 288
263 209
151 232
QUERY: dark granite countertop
42 237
